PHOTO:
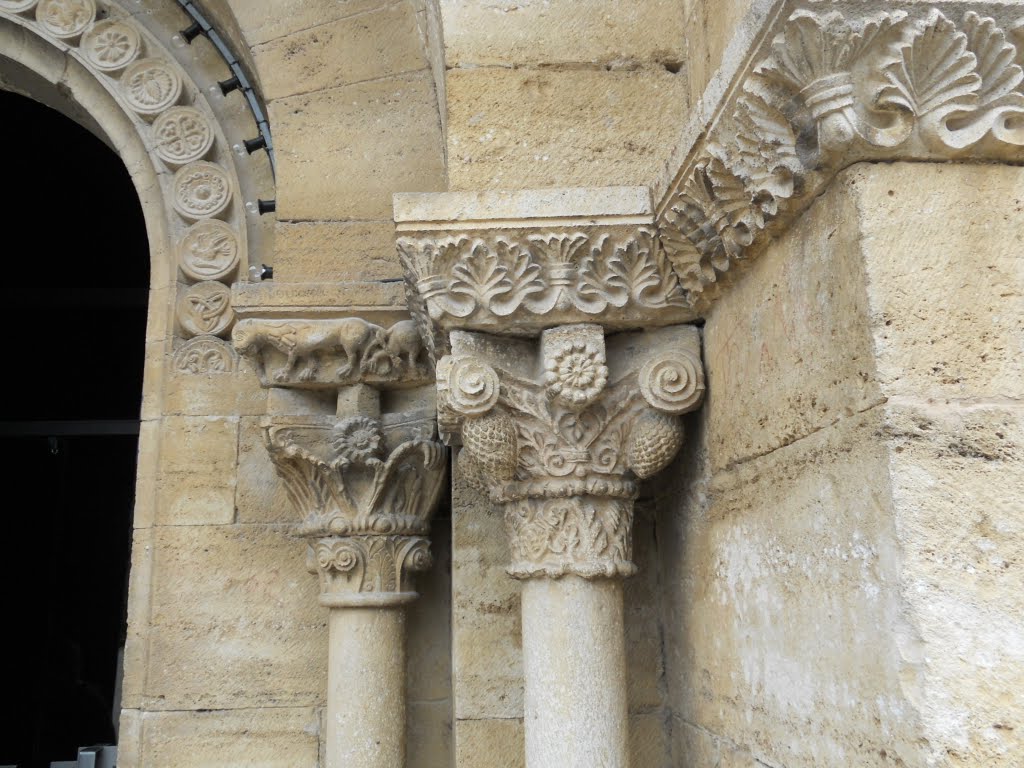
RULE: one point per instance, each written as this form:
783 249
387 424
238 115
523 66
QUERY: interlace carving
561 437
835 89
321 354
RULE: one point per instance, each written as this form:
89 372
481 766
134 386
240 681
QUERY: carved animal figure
358 339
299 342
405 345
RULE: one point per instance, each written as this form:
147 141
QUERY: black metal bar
75 428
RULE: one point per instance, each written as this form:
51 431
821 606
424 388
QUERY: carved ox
307 345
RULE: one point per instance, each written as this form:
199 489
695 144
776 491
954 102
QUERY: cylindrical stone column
574 660
365 723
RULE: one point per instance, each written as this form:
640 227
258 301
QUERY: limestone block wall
352 91
560 93
842 545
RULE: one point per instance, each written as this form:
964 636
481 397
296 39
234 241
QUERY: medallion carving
205 309
65 18
201 190
18 6
209 251
150 86
205 355
182 135
111 45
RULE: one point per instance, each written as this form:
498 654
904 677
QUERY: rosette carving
565 466
829 90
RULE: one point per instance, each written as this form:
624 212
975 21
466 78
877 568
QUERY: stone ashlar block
234 620
379 43
602 32
343 152
526 129
196 477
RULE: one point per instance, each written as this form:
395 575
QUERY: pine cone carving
653 442
492 442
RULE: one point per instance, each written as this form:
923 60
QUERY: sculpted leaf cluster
909 83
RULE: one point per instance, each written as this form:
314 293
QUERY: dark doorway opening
75 313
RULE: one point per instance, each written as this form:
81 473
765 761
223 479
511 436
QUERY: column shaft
575 665
366 688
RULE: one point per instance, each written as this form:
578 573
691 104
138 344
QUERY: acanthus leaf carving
833 89
346 479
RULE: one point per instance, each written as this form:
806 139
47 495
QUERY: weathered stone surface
489 743
958 478
648 741
282 737
334 251
621 34
525 129
429 632
710 25
941 245
265 20
785 601
260 496
344 151
430 734
196 484
379 43
234 620
812 278
235 393
487 668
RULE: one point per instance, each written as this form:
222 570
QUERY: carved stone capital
559 433
828 89
517 263
366 490
359 475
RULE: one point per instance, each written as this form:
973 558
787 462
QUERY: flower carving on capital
576 374
357 440
356 475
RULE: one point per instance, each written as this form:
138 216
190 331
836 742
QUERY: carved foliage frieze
323 354
521 281
561 440
910 82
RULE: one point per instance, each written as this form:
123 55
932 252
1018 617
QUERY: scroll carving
561 439
909 83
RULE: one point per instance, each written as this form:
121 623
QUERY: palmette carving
523 282
834 89
565 469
